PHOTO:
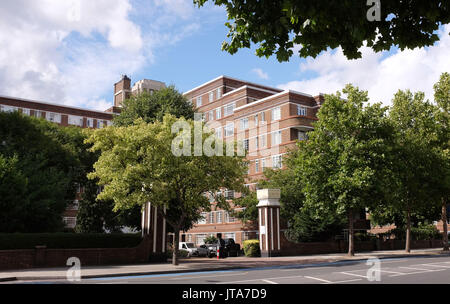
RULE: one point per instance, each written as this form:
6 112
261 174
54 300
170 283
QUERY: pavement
195 265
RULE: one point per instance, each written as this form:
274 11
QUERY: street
409 270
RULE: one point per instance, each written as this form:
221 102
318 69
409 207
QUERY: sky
73 51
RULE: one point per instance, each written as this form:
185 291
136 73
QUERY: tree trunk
176 244
408 231
444 225
351 245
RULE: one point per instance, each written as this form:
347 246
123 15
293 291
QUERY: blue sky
71 52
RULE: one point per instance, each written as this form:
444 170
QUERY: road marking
414 268
354 274
345 281
318 279
209 276
270 282
251 280
394 272
440 266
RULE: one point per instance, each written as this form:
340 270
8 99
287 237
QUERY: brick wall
43 257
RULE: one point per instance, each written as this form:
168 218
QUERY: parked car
190 248
226 248
232 248
202 250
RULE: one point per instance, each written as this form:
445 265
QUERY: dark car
225 248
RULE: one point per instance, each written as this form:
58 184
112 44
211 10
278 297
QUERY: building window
228 109
199 101
276 113
75 120
301 110
229 194
218 113
230 235
276 161
256 120
203 219
229 219
257 166
244 123
276 138
70 222
219 132
256 143
263 117
219 217
211 96
54 117
302 135
246 144
211 115
263 164
229 129
26 112
189 238
219 93
200 238
90 122
263 141
211 218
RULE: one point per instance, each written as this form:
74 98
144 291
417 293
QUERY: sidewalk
205 264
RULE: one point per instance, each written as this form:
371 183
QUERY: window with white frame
54 117
219 92
99 124
39 114
9 109
276 138
26 112
70 222
199 101
246 144
256 120
263 117
211 96
189 238
301 110
203 219
229 129
244 123
211 218
263 141
75 120
219 217
276 161
200 238
219 132
257 165
263 164
230 235
228 109
229 219
218 113
256 143
276 113
229 194
90 122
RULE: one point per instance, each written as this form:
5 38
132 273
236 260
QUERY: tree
49 166
442 99
153 162
314 26
342 165
414 163
153 107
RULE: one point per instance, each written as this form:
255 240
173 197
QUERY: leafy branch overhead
280 26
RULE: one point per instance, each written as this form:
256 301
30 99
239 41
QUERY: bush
251 248
181 253
211 239
363 236
423 232
68 240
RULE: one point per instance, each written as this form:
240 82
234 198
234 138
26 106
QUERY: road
409 270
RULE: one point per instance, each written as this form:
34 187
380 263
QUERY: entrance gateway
154 225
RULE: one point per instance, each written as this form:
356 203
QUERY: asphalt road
410 270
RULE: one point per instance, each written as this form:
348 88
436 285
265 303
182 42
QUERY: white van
189 247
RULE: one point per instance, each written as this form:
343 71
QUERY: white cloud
381 74
260 73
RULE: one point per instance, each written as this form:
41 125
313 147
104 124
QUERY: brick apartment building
267 121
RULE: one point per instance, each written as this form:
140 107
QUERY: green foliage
249 202
67 240
279 26
210 239
45 157
423 232
251 248
153 107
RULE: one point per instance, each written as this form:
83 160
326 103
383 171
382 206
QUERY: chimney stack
122 90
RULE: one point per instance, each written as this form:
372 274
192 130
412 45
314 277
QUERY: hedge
68 240
251 248
423 232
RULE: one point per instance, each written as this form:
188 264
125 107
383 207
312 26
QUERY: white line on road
251 280
209 276
414 268
318 279
432 265
345 281
267 281
354 274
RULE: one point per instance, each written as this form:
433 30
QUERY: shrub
423 232
211 239
68 240
251 248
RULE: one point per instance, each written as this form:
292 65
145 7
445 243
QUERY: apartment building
267 121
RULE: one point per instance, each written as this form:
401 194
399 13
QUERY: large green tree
153 106
277 26
160 163
48 163
415 165
342 166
